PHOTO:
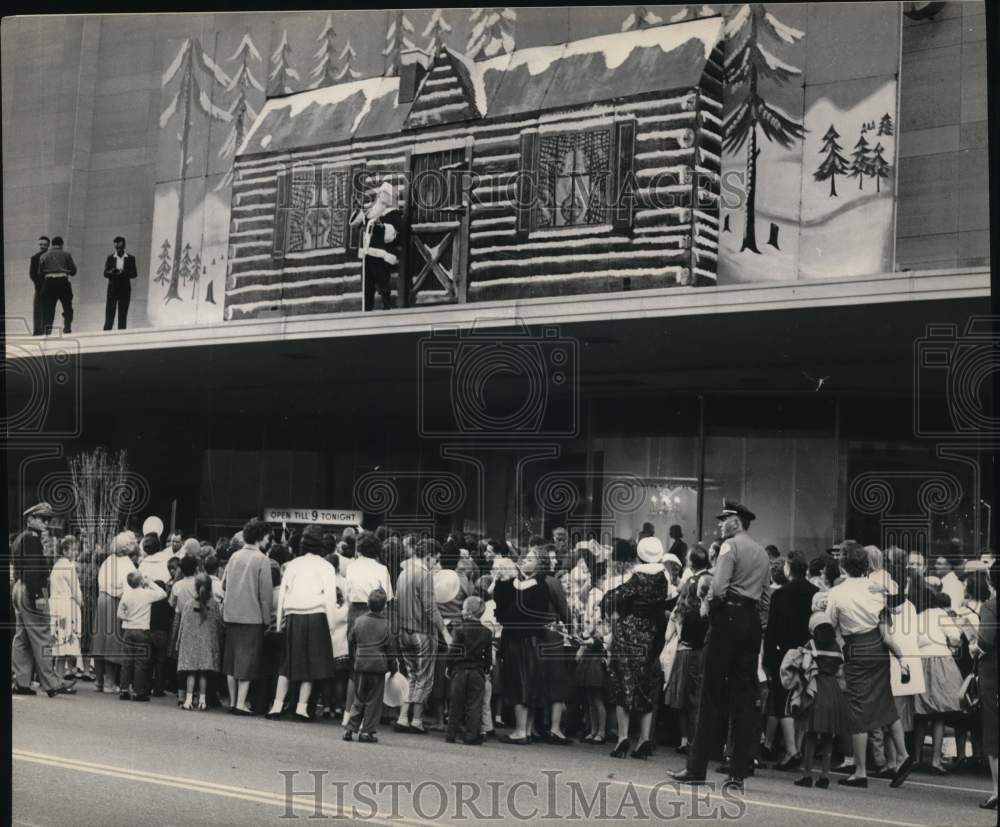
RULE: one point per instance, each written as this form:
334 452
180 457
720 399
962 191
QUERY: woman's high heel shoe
621 750
643 751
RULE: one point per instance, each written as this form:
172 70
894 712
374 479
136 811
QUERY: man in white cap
379 248
30 598
742 573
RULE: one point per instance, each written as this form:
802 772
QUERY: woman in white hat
636 641
379 248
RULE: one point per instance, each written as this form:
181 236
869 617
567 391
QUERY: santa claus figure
379 249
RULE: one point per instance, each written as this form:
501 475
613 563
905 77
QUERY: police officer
31 609
742 572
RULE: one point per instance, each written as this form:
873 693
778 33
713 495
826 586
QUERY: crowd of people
864 652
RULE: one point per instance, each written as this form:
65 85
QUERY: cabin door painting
437 249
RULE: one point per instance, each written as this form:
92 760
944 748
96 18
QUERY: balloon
152 525
446 585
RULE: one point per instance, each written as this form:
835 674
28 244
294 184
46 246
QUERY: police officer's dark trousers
729 686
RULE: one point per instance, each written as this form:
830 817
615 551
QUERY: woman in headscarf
112 580
636 641
65 608
379 248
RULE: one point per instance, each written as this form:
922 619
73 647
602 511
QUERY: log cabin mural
590 166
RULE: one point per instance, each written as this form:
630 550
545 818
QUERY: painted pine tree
188 66
166 266
885 126
879 166
281 71
195 275
749 63
492 32
324 73
241 110
437 30
396 40
641 18
186 263
834 163
347 72
861 161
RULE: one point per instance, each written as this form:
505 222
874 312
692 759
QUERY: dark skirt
558 668
635 672
684 686
988 696
244 651
828 714
866 674
106 641
520 671
308 652
591 673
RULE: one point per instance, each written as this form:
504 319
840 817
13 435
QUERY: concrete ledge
640 304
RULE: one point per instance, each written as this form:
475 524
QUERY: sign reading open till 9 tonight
323 516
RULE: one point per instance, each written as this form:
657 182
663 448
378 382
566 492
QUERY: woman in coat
65 608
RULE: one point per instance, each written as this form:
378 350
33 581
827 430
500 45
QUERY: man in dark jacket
787 628
56 267
37 305
30 597
119 270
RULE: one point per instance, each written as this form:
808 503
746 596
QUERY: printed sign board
322 516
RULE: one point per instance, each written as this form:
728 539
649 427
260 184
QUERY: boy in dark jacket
471 657
371 646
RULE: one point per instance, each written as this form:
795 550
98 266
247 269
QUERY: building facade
804 218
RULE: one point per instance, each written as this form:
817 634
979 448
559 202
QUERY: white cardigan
308 586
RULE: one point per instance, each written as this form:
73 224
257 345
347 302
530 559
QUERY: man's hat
40 510
731 508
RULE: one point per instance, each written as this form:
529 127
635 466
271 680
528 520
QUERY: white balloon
446 585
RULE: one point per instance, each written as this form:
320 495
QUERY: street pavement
91 759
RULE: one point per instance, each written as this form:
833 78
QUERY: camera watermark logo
591 506
953 377
439 495
43 386
927 494
497 385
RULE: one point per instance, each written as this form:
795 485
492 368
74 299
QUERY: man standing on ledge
119 270
742 572
37 305
56 267
379 248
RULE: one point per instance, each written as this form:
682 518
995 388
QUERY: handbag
969 698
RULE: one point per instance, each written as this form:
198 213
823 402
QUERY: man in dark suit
37 305
119 270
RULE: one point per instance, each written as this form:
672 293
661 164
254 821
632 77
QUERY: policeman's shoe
685 776
24 690
734 783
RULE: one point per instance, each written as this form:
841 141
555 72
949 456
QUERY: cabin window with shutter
579 178
316 212
573 178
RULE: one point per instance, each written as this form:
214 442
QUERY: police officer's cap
40 510
731 508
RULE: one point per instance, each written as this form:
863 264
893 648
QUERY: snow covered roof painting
632 63
329 115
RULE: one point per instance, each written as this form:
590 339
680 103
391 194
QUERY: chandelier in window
667 501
